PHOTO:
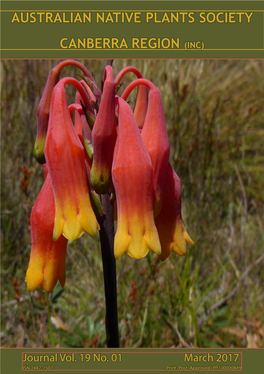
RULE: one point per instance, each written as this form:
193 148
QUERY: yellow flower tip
53 272
74 224
47 285
72 229
153 242
121 243
34 278
50 276
178 245
136 256
50 281
144 237
138 248
136 243
45 272
187 237
88 222
81 234
77 217
58 225
178 248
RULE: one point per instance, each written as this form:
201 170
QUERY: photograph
132 203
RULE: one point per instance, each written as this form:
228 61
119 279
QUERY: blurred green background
214 296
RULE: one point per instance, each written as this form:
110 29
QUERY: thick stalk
109 267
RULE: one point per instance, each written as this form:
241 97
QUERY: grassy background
214 296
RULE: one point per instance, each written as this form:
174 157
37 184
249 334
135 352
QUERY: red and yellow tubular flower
133 181
155 137
47 258
104 136
141 105
110 149
172 233
65 157
44 105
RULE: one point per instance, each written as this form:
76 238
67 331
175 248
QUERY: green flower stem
49 306
109 267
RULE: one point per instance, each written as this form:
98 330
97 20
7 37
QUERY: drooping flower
172 233
44 106
133 181
79 123
47 258
155 137
141 104
65 157
104 136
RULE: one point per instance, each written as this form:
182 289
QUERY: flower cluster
99 145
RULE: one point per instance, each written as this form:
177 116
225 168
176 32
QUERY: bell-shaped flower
65 157
47 258
172 233
141 104
44 105
132 175
104 136
155 137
